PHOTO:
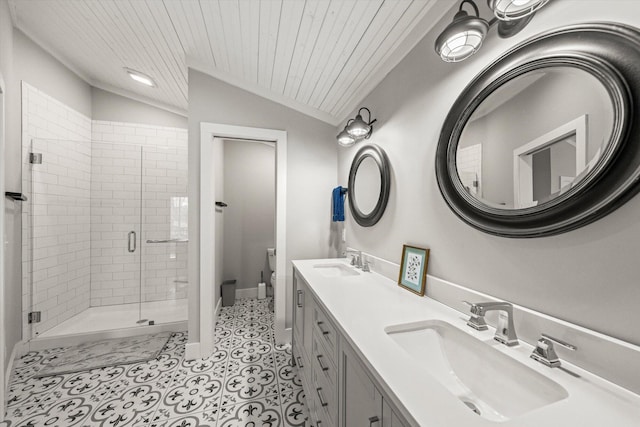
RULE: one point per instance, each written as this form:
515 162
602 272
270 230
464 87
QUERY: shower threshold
98 319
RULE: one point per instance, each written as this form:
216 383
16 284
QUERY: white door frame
523 158
207 298
3 350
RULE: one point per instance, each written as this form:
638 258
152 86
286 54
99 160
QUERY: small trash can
228 289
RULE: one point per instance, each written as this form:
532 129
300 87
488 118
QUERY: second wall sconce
463 37
356 129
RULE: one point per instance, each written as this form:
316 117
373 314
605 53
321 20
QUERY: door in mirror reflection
534 138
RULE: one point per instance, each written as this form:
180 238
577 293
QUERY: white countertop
364 305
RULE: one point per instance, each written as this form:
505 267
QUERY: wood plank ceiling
320 57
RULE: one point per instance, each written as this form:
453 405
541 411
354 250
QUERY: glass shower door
56 232
83 231
165 234
116 228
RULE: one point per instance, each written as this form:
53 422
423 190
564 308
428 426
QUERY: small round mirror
369 184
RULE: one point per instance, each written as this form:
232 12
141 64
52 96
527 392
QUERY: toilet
271 254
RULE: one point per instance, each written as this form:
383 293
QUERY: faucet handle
545 352
365 267
559 341
476 321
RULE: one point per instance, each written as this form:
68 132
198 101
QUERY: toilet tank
271 253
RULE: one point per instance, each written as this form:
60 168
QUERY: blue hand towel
338 203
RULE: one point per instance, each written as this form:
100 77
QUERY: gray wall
111 107
21 59
311 168
249 220
588 276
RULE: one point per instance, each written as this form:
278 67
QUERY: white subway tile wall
154 169
97 182
469 160
58 257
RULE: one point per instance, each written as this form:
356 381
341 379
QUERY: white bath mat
111 352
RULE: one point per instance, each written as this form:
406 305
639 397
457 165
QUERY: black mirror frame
609 52
381 159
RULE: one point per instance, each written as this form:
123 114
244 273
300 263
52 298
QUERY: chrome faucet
356 260
505 331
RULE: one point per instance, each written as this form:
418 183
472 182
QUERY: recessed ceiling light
141 77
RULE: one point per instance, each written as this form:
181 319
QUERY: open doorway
249 216
207 279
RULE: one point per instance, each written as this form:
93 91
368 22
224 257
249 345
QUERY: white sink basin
335 270
490 383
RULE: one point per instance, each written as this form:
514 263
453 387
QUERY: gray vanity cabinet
339 389
361 401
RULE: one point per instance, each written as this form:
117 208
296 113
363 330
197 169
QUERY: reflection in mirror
535 137
367 185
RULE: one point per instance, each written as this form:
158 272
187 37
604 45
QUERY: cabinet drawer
323 361
325 331
325 399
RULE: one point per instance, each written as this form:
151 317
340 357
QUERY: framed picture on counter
413 269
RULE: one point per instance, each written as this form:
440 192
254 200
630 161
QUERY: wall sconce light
463 37
356 129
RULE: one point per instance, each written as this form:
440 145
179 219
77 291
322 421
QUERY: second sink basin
490 383
335 270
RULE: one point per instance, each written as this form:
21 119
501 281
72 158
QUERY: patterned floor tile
21 392
247 381
294 410
197 393
251 351
201 419
66 413
135 406
259 412
251 382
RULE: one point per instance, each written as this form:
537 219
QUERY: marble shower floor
248 381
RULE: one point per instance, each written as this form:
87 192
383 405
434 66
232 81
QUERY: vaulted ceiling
320 57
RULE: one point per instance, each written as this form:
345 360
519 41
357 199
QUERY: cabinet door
390 418
361 402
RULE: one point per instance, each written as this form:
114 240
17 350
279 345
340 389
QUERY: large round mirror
369 184
542 141
513 154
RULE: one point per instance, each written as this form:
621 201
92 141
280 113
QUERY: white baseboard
217 313
18 351
192 351
247 293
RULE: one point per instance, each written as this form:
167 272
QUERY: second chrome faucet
505 331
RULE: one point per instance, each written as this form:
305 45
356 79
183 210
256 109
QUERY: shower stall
104 237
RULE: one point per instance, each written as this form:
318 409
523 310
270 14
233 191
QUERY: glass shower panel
57 233
165 234
116 229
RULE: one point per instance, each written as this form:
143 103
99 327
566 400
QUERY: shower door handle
132 242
